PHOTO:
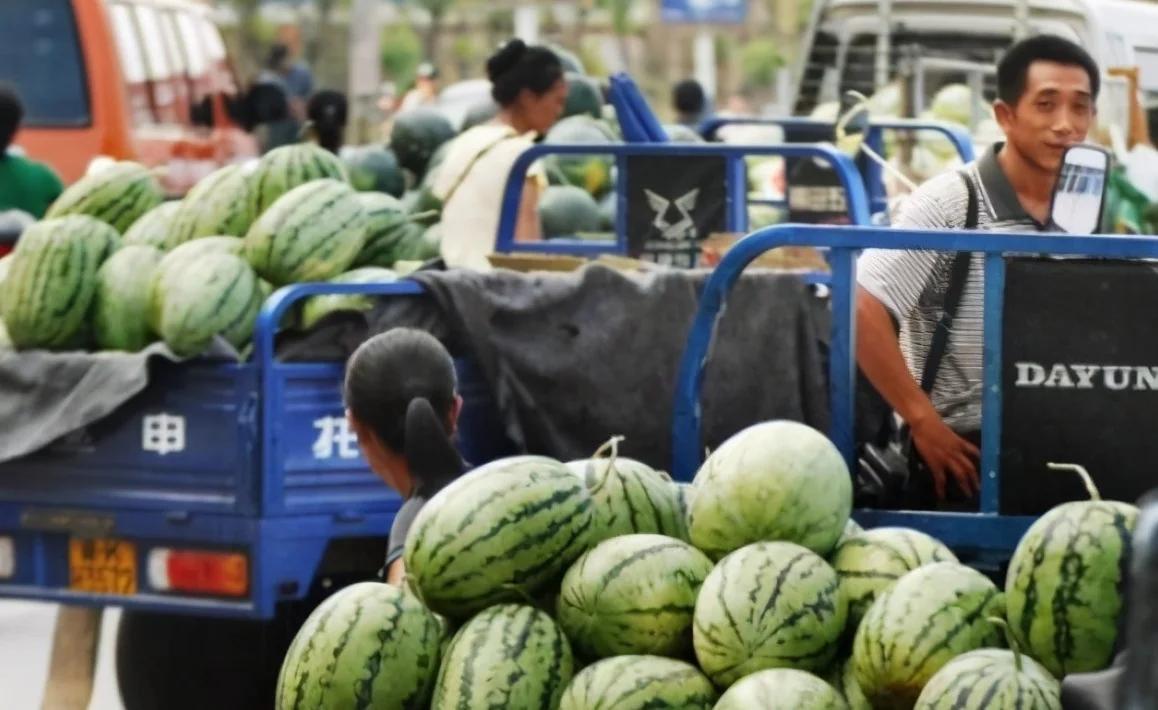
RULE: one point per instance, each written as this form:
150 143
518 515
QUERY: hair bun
506 58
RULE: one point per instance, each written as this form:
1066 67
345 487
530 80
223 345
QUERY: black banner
1080 380
673 204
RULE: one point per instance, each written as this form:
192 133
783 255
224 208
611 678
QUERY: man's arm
879 356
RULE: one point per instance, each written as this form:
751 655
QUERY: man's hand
946 453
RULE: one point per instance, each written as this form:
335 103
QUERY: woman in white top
528 84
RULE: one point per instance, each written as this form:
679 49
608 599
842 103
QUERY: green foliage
401 52
759 61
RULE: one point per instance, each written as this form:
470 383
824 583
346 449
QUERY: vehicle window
40 55
128 45
192 44
155 57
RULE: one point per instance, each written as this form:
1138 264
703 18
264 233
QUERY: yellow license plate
102 566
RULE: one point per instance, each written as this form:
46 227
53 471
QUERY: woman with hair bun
402 404
528 85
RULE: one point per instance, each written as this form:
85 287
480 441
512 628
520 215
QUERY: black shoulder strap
958 275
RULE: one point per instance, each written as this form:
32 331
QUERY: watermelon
781 689
51 281
639 683
422 205
217 294
851 528
633 594
317 307
123 293
172 264
590 172
869 563
584 97
391 231
373 168
282 169
927 618
630 497
773 481
1064 586
5 264
509 656
608 209
152 228
369 645
118 196
768 605
501 532
844 680
415 136
312 233
220 205
567 211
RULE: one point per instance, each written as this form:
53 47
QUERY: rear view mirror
1080 193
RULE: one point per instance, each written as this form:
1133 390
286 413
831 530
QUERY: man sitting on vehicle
25 185
1047 88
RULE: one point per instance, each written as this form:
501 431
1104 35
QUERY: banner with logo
673 204
1080 380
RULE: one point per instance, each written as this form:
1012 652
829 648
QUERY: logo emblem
163 434
682 226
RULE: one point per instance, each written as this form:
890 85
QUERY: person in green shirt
25 184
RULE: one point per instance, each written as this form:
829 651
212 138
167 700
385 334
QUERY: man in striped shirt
1047 88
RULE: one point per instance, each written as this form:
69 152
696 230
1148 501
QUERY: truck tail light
199 572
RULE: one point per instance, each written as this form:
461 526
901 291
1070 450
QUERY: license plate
100 566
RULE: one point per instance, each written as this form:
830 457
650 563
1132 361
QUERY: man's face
1054 112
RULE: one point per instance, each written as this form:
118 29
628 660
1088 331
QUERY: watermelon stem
1087 479
1009 640
613 444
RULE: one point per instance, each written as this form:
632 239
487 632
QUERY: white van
845 48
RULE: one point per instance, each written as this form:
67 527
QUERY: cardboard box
528 262
781 259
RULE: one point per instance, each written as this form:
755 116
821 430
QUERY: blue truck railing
264 466
813 130
986 532
737 188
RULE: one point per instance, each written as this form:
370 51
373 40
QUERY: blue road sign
705 11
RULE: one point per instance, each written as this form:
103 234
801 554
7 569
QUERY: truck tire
176 662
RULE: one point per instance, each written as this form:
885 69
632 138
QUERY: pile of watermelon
534 584
115 267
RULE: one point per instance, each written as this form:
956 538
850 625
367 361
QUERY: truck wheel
175 662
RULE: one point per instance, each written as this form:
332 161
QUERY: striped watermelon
218 294
781 689
118 195
633 594
869 563
313 233
219 205
152 228
778 480
369 645
509 656
123 293
768 605
632 497
927 618
389 227
499 533
843 679
991 679
285 168
850 528
317 307
416 135
1064 586
174 263
639 683
52 279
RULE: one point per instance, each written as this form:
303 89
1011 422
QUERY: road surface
25 645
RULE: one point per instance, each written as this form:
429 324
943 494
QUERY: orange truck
144 80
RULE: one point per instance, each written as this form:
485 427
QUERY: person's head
402 404
279 58
1047 89
11 114
688 98
527 82
328 111
426 75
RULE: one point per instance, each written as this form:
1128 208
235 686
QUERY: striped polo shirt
912 284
